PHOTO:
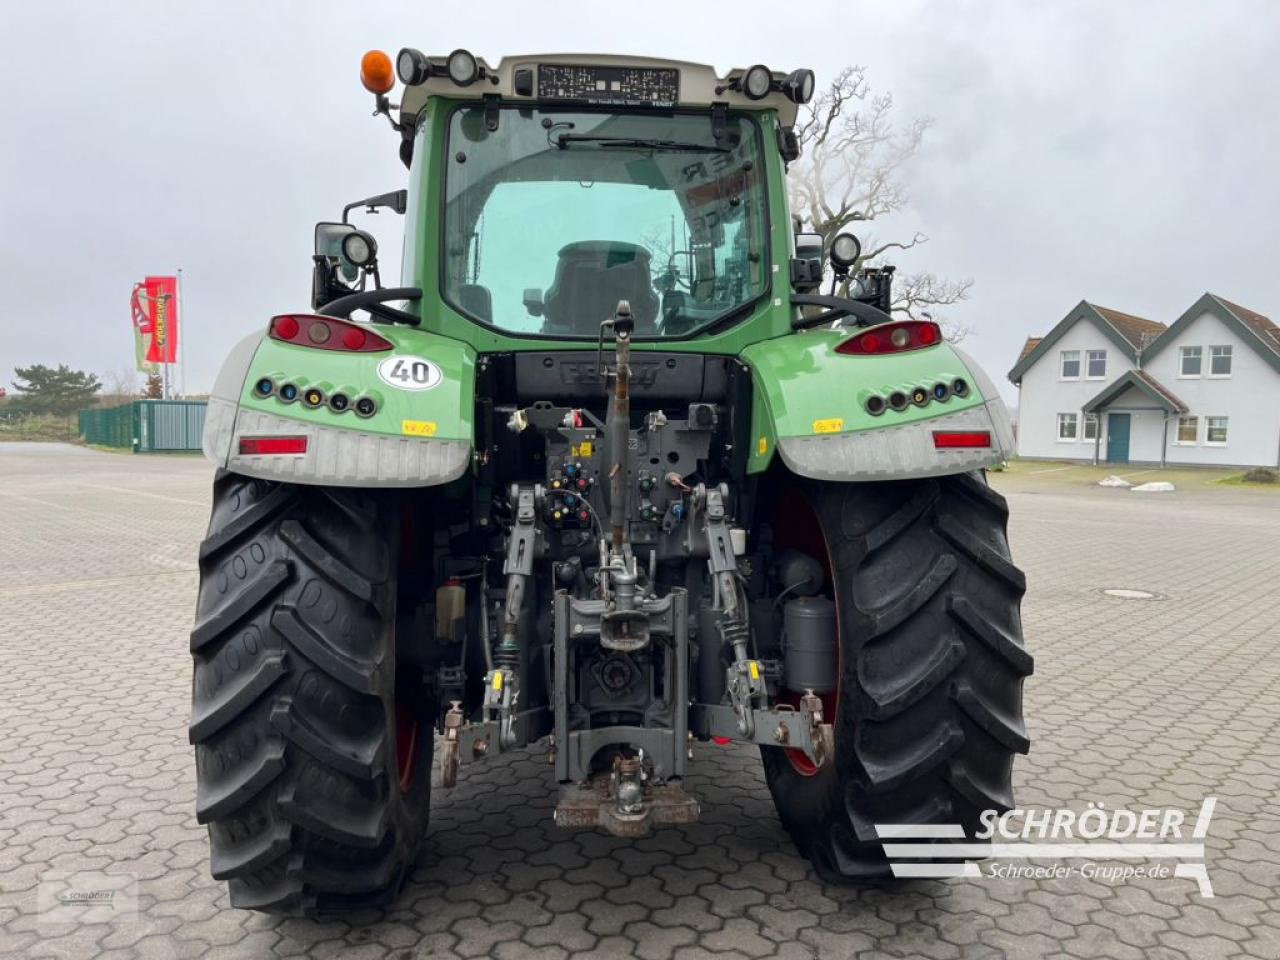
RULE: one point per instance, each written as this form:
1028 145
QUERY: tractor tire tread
932 666
293 700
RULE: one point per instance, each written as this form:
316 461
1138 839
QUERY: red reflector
353 339
943 440
266 446
721 741
285 328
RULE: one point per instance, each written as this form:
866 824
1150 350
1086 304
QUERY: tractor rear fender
811 406
418 434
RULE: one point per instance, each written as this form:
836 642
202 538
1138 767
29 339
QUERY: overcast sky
1124 153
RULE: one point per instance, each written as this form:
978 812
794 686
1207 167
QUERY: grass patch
46 428
1242 480
1050 473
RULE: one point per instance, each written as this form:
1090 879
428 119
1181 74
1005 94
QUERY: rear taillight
961 439
893 338
272 446
325 333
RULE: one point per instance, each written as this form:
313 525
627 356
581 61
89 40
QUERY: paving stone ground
1134 703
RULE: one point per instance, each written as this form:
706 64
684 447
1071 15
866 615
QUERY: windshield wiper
638 143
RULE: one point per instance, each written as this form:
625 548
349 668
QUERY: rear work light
325 333
961 439
272 446
896 337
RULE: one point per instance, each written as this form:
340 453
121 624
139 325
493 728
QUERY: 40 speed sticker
409 373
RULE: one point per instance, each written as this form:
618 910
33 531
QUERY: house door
1117 438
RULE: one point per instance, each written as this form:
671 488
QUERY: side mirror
806 266
808 246
329 243
533 301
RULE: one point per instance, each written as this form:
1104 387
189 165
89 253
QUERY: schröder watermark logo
88 896
1167 842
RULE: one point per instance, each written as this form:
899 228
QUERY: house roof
1131 334
1139 331
1256 330
1261 325
1142 381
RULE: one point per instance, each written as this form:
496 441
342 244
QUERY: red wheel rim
796 524
406 745
801 763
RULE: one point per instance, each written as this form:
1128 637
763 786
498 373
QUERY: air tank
809 640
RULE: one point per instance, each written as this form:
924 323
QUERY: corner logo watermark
1084 844
87 896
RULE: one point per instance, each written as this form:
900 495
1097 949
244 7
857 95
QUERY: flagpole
182 353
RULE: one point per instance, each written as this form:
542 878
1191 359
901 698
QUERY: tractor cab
563 184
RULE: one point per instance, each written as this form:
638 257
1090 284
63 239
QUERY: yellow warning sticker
762 446
834 425
418 428
755 670
583 449
497 681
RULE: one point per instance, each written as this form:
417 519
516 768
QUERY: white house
1108 386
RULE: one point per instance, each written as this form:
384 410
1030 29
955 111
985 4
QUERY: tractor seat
591 277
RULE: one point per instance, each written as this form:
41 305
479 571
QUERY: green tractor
608 471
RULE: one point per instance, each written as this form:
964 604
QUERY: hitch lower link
501 694
745 683
782 725
821 733
463 741
744 680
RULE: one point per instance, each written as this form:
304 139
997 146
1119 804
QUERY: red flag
155 316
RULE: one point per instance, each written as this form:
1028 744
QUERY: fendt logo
1158 835
643 373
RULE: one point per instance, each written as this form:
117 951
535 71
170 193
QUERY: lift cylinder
809 638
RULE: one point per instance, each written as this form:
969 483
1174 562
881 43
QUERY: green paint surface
804 388
449 406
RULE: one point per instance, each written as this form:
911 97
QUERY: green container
146 426
108 426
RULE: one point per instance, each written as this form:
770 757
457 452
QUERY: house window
1096 364
1215 430
1091 426
1070 364
1190 362
1220 361
1067 426
1188 429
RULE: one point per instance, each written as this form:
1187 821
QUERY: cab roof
699 85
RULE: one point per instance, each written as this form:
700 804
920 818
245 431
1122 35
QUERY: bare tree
918 295
120 386
850 171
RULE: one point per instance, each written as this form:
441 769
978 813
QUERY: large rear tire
928 710
313 752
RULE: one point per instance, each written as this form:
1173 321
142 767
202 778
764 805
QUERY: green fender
809 406
420 434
